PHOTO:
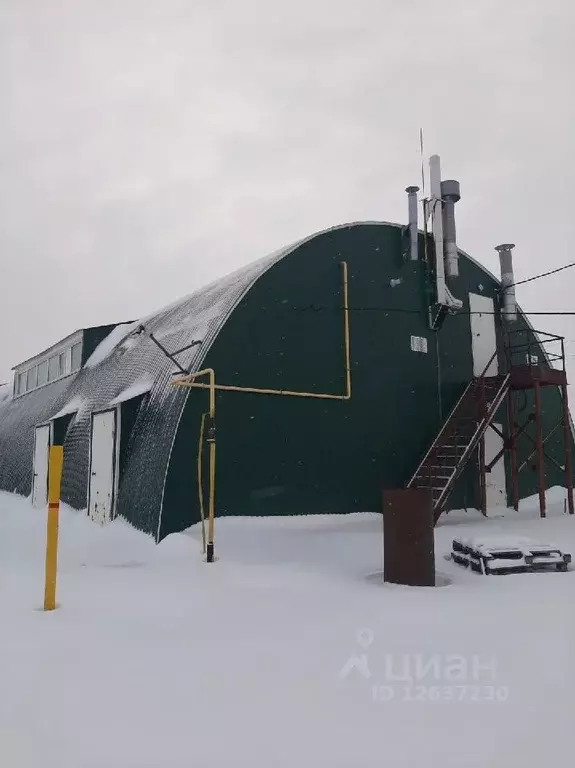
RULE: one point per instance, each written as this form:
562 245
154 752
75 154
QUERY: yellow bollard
55 461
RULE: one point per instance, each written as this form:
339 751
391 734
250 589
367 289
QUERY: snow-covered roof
123 366
141 387
5 392
111 341
126 365
75 405
43 353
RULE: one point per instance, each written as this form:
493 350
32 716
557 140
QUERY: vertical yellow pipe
212 443
212 502
190 381
200 481
55 462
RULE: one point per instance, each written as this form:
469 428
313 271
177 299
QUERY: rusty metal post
568 456
482 412
539 445
512 447
482 478
408 537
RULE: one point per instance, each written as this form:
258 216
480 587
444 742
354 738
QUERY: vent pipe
450 194
509 309
444 296
437 225
412 213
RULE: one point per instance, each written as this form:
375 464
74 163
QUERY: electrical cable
543 274
323 307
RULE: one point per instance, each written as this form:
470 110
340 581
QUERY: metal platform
528 360
526 376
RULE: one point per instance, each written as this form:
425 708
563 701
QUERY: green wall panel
290 455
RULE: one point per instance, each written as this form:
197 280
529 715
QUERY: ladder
459 436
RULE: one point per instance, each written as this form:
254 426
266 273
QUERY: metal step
441 472
458 438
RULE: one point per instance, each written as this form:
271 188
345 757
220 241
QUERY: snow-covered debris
507 554
502 543
109 344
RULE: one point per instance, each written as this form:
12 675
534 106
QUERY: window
76 357
50 369
43 373
32 378
53 368
65 363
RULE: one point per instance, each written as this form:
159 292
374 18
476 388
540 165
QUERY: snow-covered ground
282 653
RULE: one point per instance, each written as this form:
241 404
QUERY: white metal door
102 467
483 338
496 490
40 484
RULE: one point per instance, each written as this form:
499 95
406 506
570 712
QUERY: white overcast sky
148 146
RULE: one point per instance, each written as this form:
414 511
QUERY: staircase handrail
472 445
448 419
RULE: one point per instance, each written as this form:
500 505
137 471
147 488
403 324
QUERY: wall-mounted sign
418 344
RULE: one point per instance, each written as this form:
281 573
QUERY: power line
543 274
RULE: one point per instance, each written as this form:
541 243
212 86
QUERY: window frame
31 378
21 380
42 366
51 376
28 378
79 361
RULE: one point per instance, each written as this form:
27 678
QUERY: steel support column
540 457
568 457
512 442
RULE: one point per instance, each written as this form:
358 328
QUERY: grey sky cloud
147 147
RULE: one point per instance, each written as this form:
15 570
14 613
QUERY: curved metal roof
120 366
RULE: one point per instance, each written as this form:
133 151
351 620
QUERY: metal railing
537 349
449 427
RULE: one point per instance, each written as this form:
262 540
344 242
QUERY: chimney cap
450 190
505 247
412 189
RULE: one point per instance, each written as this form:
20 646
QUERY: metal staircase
459 437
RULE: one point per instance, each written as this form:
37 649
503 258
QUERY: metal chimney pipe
412 214
509 310
450 194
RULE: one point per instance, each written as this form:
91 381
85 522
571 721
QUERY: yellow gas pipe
200 481
212 443
189 381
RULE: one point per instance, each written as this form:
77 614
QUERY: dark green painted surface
91 337
287 455
60 429
129 411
